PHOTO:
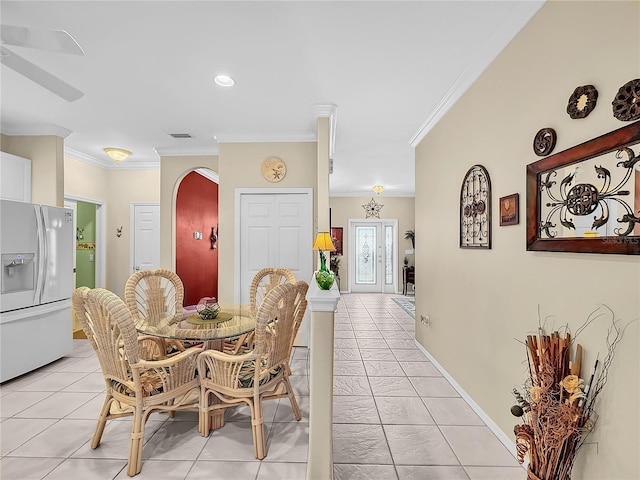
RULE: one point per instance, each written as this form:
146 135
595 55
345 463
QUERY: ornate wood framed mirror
587 198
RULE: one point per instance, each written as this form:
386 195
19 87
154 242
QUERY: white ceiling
390 68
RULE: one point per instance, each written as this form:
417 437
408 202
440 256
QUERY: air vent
181 135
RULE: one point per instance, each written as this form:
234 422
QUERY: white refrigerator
36 248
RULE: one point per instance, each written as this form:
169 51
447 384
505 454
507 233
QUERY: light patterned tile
392 387
355 409
348 367
420 369
372 343
433 387
15 402
380 368
346 354
377 354
363 472
496 473
358 444
477 445
432 472
419 445
409 355
452 411
87 468
351 385
202 470
20 468
403 411
280 471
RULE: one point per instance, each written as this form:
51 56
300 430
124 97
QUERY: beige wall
117 190
172 171
345 208
482 302
241 167
47 165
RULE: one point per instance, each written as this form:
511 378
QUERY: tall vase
324 278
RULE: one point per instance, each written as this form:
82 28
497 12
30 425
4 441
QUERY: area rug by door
407 305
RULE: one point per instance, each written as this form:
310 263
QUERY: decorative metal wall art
582 101
587 198
372 209
544 142
626 104
475 209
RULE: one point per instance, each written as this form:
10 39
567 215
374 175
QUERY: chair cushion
247 372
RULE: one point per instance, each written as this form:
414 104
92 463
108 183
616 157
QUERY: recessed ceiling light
224 81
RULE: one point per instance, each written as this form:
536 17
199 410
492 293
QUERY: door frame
237 220
393 287
101 236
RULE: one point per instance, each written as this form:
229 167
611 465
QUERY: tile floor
395 417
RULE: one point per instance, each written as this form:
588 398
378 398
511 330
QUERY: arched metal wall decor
587 198
475 209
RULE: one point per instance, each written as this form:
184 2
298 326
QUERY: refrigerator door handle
42 257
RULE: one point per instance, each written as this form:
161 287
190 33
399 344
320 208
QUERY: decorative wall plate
274 169
582 101
544 141
626 104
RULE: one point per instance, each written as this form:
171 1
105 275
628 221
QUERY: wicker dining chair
264 281
134 386
154 297
259 375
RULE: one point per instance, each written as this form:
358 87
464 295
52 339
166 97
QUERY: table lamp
324 278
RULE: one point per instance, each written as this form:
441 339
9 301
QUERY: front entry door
146 236
372 264
276 231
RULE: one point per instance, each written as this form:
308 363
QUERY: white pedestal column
322 304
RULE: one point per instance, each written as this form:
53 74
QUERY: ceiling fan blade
40 38
39 76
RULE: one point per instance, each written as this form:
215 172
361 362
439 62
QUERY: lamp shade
323 242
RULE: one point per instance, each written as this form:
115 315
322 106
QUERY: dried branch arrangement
556 405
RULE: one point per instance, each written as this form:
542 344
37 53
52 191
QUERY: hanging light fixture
117 154
378 189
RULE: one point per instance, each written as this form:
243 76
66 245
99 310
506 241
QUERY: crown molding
505 32
35 130
105 164
328 110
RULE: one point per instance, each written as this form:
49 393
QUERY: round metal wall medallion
582 101
544 142
626 104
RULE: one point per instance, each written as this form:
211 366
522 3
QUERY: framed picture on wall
336 238
509 207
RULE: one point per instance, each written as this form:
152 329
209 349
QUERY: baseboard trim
506 441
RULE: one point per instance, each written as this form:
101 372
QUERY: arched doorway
196 221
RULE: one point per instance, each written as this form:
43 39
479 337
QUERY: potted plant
411 235
406 261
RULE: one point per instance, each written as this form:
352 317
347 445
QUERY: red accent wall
196 262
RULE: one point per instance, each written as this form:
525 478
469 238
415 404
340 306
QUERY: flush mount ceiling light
378 189
224 81
117 154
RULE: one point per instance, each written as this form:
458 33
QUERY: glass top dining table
231 321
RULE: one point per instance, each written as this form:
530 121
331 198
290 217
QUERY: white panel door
145 236
276 231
